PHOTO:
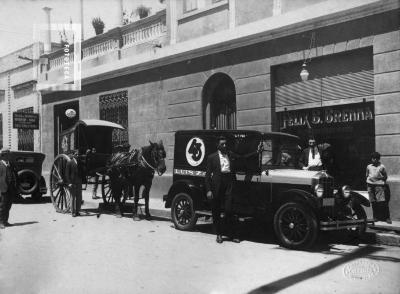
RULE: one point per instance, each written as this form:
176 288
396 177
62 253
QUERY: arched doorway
219 103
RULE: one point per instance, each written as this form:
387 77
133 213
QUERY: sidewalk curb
388 239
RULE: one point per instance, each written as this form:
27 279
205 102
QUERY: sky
18 17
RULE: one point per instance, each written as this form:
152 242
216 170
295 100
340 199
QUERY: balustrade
99 49
144 34
62 60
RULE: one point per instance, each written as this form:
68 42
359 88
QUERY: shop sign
23 120
326 116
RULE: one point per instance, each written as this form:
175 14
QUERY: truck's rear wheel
295 226
182 212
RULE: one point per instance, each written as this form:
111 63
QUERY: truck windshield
280 152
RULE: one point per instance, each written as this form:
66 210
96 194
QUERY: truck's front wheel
295 226
183 213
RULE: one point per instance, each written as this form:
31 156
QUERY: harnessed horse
136 168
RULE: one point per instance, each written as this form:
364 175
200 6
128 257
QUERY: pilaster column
172 21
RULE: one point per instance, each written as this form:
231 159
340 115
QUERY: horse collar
144 162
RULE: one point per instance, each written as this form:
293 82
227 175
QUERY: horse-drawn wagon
89 142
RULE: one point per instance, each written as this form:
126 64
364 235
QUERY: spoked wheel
60 194
295 226
183 213
106 191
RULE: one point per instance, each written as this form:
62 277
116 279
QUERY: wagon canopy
88 134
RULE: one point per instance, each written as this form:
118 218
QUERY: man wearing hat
8 188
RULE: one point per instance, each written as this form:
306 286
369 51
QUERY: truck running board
209 213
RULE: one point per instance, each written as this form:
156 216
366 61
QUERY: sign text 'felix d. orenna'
322 116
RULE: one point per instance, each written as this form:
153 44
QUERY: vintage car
28 166
269 186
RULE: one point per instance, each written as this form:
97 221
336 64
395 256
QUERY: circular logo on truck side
195 151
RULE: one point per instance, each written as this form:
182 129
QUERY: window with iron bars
25 136
114 108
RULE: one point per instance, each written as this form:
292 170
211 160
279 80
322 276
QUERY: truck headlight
319 190
346 191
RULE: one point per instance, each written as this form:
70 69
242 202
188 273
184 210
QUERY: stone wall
387 110
387 98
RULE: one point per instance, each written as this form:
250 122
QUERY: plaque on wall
22 120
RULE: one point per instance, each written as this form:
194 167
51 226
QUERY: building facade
233 64
18 93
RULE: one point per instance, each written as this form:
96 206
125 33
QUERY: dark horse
135 169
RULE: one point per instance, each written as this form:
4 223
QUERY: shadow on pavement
28 200
252 231
255 231
24 223
372 257
127 212
289 281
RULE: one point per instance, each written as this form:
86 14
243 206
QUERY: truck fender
360 199
186 186
297 195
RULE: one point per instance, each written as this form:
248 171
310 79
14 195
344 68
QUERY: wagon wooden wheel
60 193
106 191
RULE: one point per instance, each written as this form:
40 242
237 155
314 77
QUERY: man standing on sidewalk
74 179
8 189
219 179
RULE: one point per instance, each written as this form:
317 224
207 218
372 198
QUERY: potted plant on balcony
98 25
142 11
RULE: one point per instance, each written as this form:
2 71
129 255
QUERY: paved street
47 252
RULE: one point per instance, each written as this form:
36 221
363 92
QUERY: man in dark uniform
218 181
8 189
74 178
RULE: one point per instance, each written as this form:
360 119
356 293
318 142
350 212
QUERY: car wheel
36 196
183 213
27 182
295 226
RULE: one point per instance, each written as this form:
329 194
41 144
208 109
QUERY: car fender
297 195
42 185
186 186
360 199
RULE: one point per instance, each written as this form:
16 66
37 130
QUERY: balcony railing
100 48
144 34
60 61
142 31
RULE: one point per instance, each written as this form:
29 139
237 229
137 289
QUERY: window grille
223 108
114 108
25 136
223 116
